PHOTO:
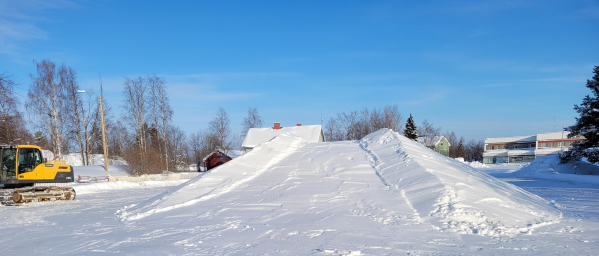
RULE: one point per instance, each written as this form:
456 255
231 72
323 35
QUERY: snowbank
548 167
476 164
382 181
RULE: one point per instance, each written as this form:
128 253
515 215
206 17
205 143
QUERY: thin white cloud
486 6
16 26
206 93
590 12
428 98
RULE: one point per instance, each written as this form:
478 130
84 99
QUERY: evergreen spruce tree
586 125
410 130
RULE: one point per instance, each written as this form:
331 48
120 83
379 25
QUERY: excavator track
18 196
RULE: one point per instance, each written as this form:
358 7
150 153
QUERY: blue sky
479 68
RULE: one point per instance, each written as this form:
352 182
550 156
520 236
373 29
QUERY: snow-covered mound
291 196
550 165
452 195
548 168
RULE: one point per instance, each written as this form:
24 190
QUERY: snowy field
383 195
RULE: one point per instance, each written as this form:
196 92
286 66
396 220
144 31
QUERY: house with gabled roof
256 136
438 143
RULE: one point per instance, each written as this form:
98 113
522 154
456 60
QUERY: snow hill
548 168
288 194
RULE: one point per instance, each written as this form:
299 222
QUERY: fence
150 177
172 176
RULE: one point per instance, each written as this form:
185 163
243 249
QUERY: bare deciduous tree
427 133
12 125
161 112
201 144
68 77
134 104
252 120
457 145
474 150
219 126
47 102
332 131
355 125
166 115
347 122
178 148
392 119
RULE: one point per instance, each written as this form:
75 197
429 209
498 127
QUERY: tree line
66 120
354 125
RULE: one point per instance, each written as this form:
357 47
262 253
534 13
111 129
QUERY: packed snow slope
288 195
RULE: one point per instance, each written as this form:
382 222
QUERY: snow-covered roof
554 136
230 153
515 139
255 136
424 140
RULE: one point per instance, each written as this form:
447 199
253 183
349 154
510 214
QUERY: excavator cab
29 158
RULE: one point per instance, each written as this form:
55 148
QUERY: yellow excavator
23 167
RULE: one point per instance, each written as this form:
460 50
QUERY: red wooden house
219 157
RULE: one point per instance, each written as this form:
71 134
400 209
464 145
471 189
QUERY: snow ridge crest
451 195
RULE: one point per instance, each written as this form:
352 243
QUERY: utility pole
553 124
104 145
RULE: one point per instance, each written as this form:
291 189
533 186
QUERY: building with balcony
524 149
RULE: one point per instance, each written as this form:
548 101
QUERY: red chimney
299 124
277 126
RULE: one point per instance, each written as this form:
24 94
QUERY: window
515 159
29 158
501 160
9 156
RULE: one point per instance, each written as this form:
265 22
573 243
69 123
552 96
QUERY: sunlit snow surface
380 196
385 188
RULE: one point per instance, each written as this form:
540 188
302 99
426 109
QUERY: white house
523 149
256 136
